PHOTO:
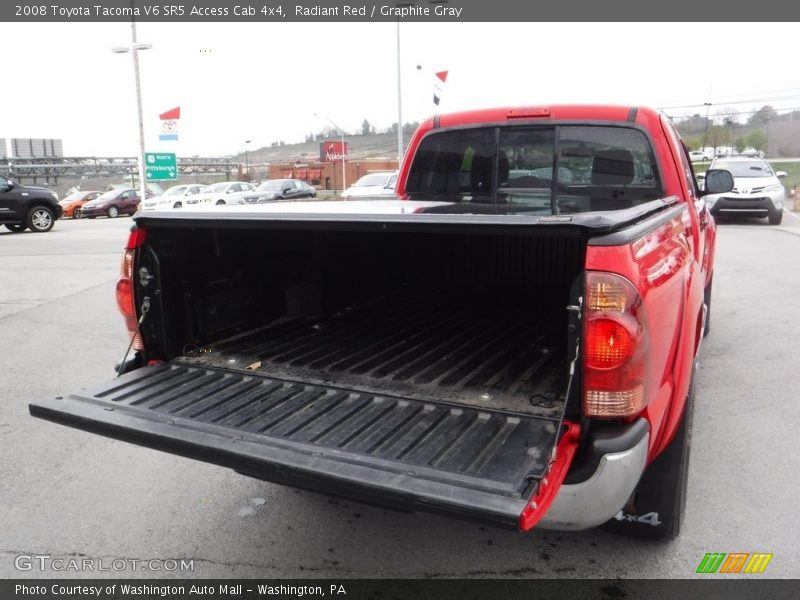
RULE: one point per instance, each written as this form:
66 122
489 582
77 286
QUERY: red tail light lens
614 345
125 286
608 344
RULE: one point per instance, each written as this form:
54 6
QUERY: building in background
32 148
328 175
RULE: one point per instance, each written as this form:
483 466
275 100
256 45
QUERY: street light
705 134
134 50
246 159
341 131
399 93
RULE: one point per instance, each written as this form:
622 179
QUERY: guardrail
51 168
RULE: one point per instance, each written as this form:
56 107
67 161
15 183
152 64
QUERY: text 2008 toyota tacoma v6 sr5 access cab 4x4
512 339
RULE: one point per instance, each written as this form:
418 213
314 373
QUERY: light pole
341 131
705 134
246 160
134 50
399 99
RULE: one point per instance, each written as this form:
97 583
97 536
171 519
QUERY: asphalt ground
70 494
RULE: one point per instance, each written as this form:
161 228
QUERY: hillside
376 145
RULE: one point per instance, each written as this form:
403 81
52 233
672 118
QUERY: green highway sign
160 166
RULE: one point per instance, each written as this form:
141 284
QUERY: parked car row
230 193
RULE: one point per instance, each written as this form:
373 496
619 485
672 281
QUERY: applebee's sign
332 151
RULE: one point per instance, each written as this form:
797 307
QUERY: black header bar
287 11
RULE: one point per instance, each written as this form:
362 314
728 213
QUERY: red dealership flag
171 115
439 82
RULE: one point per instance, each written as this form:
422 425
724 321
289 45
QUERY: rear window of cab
547 169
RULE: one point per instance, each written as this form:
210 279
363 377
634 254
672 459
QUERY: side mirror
718 181
7 187
780 174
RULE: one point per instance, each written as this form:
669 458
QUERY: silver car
757 190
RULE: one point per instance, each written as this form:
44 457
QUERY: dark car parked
280 189
27 207
121 201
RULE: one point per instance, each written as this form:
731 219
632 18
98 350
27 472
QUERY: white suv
757 190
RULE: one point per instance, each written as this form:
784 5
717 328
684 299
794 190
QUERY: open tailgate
397 452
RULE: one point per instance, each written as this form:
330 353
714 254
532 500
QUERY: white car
379 183
699 155
174 197
219 194
757 190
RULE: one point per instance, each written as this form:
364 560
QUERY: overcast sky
265 81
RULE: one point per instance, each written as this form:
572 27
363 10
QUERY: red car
122 201
73 203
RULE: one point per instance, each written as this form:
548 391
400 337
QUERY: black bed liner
406 453
480 348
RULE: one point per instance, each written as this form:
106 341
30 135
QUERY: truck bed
466 347
406 401
422 370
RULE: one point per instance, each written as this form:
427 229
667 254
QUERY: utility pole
705 134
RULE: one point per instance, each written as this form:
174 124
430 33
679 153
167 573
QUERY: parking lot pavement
45 267
67 493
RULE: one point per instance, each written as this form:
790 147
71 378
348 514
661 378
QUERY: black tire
655 510
177 205
40 219
92 217
112 212
77 213
707 300
776 217
220 202
16 227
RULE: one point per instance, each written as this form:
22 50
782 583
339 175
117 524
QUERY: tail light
615 348
125 286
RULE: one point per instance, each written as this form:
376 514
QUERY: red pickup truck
513 339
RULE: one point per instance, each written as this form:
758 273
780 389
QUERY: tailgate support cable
145 308
576 308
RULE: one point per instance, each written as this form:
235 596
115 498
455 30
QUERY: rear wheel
112 212
655 510
776 217
220 202
16 227
177 205
77 214
40 219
